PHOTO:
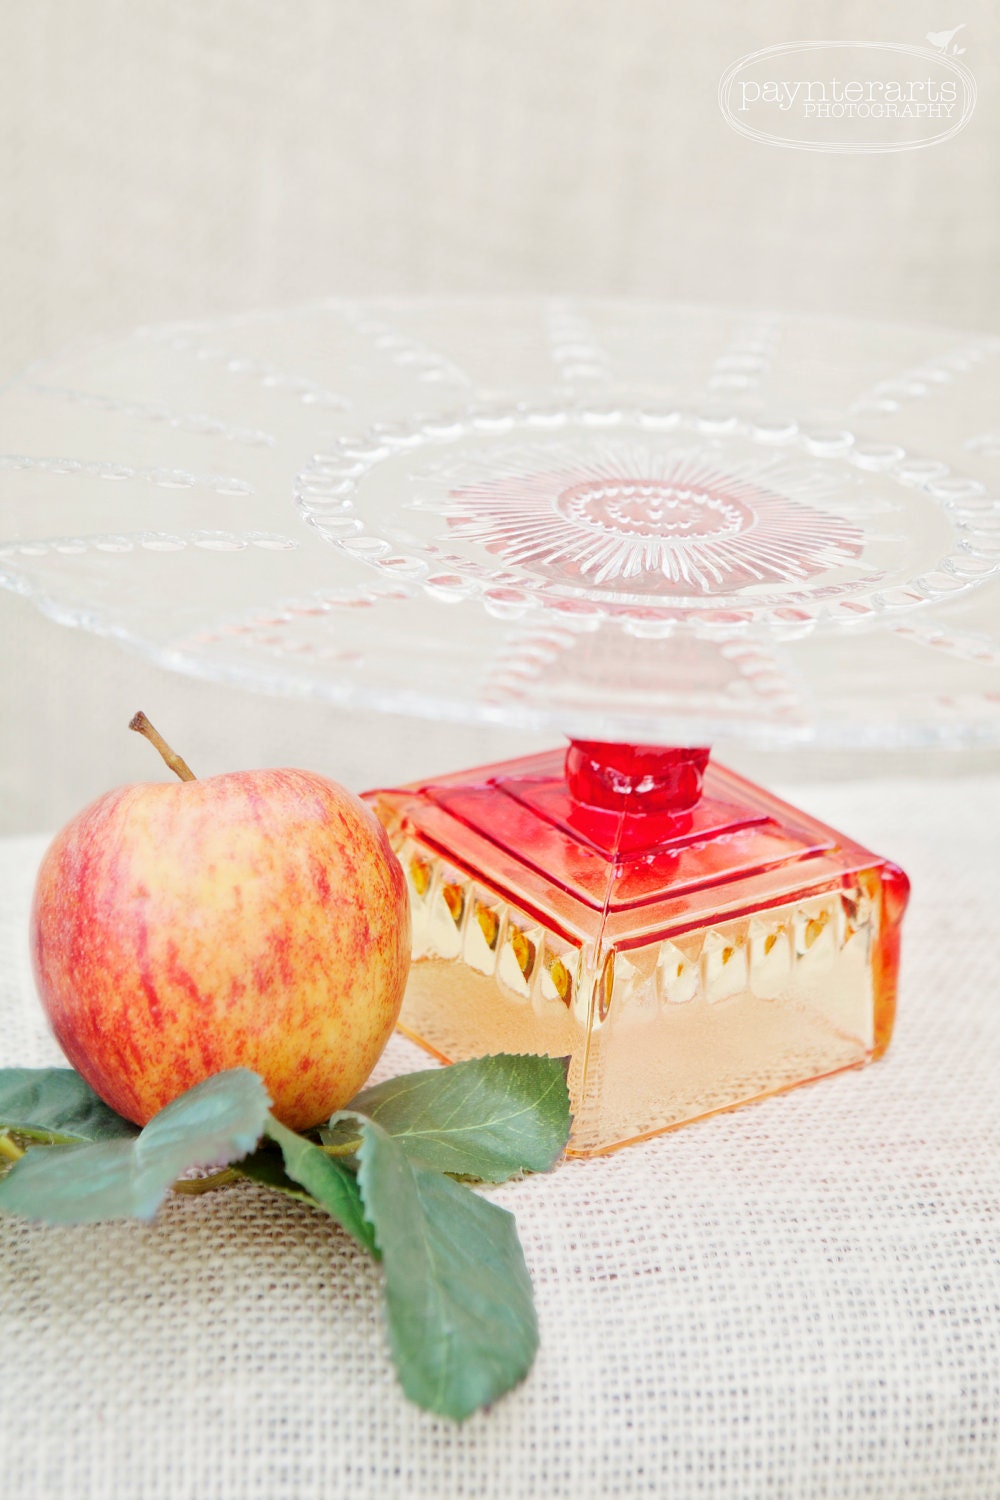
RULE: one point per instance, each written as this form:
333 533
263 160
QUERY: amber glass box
689 945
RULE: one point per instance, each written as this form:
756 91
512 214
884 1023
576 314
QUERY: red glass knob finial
636 779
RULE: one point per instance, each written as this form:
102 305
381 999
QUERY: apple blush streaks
255 919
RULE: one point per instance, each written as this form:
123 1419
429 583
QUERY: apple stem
180 768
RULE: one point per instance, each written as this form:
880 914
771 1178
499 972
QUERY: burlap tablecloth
798 1299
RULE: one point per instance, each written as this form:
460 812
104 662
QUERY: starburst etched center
634 519
652 508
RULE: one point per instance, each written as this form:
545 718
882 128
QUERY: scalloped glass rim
634 729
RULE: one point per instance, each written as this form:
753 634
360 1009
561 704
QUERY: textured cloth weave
798 1299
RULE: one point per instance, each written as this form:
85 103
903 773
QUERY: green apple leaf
55 1106
266 1167
489 1118
214 1123
462 1323
328 1183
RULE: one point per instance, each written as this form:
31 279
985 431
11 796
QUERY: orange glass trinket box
690 944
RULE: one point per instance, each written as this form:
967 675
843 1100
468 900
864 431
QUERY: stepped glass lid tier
617 520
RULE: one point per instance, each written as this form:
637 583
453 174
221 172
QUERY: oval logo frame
949 65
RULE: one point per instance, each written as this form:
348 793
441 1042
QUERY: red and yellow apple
257 919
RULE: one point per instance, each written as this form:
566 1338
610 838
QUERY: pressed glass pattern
686 961
500 512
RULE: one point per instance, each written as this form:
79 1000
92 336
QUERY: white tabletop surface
798 1299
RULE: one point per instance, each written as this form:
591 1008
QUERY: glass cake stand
640 526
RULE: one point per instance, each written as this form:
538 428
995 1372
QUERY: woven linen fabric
800 1298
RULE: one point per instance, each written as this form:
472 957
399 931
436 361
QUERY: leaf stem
180 767
207 1184
345 1148
9 1149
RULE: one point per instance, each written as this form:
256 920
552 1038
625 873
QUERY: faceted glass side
745 950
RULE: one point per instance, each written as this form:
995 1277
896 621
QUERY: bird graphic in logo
944 41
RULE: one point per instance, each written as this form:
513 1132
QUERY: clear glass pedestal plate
631 524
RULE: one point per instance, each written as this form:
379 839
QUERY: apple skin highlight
255 919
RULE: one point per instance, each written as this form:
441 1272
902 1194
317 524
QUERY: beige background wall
173 158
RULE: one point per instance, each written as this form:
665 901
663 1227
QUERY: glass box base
745 950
